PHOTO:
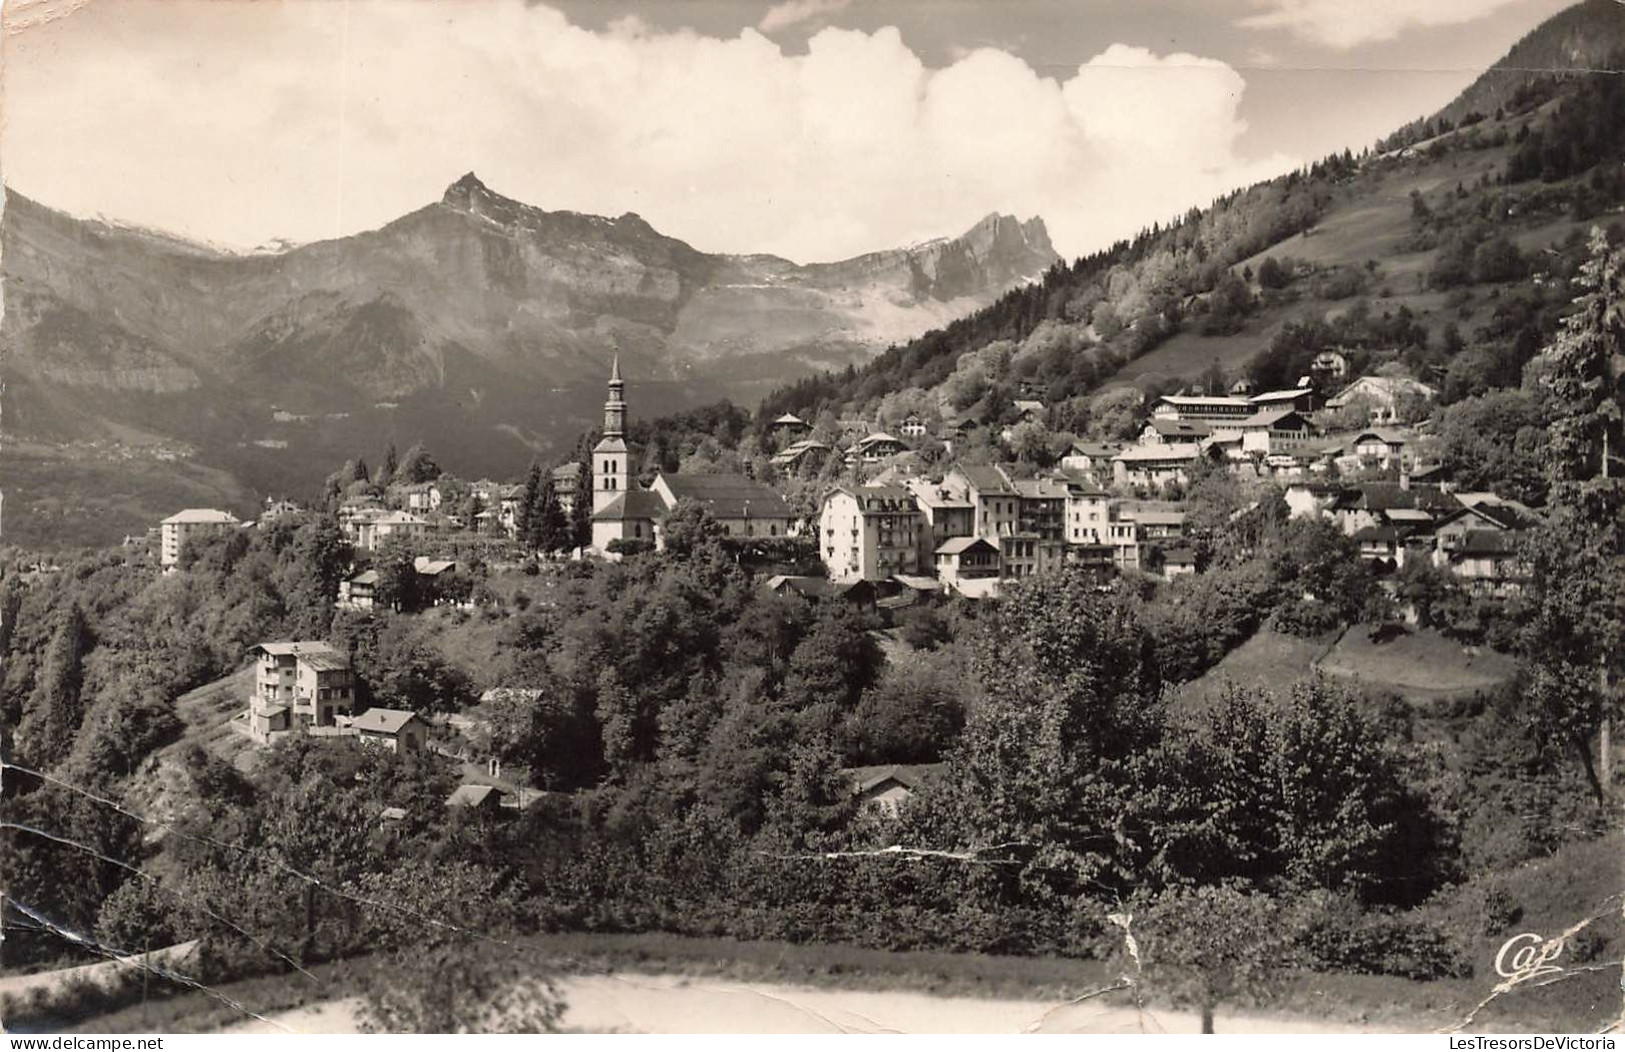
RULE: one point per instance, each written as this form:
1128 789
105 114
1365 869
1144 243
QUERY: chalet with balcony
305 684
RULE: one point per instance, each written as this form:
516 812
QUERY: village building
875 447
1300 398
913 426
1271 432
372 528
887 787
566 480
1155 465
946 514
420 497
1162 430
1041 510
396 730
1213 410
857 592
808 453
298 684
624 511
1177 562
789 426
1330 366
1087 510
968 565
185 526
1382 445
1028 555
1092 458
870 533
358 591
476 799
995 503
1385 399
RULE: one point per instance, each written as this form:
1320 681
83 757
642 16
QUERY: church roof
610 445
728 496
633 504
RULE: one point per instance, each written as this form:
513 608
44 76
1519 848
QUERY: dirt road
660 1004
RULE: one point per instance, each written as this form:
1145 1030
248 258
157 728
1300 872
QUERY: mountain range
477 324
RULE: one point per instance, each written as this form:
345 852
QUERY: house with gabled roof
302 683
397 730
886 787
789 425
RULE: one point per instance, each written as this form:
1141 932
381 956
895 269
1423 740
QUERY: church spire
615 407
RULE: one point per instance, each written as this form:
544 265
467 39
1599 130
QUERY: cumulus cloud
794 12
1346 24
305 126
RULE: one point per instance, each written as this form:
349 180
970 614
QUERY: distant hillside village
907 515
893 521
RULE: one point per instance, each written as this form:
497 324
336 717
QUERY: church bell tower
611 475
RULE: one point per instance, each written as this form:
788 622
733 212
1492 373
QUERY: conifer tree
529 504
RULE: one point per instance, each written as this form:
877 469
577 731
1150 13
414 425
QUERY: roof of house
201 516
392 814
304 650
810 587
1159 518
1507 514
1489 542
1408 516
1274 418
1291 395
470 795
365 577
1376 533
1101 450
1040 488
513 693
632 504
918 584
570 472
1379 386
1161 451
789 418
401 518
383 721
908 775
728 496
1173 427
432 567
1028 405
960 545
1077 483
934 495
1385 496
985 478
1382 434
1194 401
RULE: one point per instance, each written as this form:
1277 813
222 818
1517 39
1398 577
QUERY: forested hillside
1444 253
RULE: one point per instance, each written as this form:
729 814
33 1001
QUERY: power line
124 957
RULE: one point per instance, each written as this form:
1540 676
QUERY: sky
811 129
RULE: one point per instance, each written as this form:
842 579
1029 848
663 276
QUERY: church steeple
615 407
611 475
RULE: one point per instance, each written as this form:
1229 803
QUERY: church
624 511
